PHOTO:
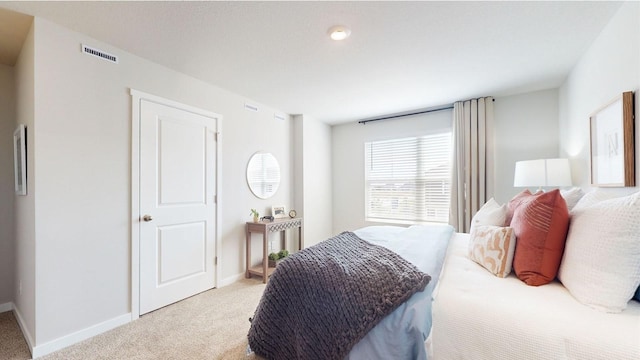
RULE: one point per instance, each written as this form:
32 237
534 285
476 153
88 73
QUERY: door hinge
216 261
215 199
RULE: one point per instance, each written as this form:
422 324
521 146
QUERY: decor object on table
278 212
275 258
292 213
612 143
255 214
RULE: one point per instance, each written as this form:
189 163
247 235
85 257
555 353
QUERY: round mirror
263 175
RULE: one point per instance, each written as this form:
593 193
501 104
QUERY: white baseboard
76 337
231 279
68 340
6 307
23 327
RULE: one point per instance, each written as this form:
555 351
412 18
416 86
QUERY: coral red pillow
540 222
513 204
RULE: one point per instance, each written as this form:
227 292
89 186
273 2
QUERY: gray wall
24 206
74 274
76 269
526 128
313 186
348 160
7 126
609 67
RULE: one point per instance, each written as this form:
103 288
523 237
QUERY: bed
399 335
477 315
574 292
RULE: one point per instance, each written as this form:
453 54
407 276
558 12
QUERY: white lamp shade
529 173
558 172
543 172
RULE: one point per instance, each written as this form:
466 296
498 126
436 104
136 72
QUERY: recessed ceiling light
339 32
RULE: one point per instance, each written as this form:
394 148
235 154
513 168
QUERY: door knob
147 218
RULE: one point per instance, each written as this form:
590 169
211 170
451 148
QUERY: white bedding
479 316
402 333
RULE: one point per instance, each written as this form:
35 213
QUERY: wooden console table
266 227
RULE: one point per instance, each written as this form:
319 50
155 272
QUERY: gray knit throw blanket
321 301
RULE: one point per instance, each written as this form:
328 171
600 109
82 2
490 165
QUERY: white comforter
401 335
479 316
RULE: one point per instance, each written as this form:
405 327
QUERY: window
408 180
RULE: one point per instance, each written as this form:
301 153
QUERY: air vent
250 107
99 53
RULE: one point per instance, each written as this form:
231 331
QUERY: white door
177 204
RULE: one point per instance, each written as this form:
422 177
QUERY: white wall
7 126
610 66
526 128
24 206
82 173
77 109
313 197
348 160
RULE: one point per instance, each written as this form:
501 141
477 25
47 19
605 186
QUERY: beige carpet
210 325
12 344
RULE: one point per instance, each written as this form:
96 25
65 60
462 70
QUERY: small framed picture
20 159
612 143
278 212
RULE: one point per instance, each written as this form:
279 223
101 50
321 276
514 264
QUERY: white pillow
572 196
601 262
595 196
491 213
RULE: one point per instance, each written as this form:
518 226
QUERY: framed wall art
278 212
612 143
20 159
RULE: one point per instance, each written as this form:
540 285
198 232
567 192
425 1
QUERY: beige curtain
473 160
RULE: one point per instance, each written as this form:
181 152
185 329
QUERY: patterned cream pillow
493 247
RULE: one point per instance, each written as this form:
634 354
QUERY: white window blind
408 180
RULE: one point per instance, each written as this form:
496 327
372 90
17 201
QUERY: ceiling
401 56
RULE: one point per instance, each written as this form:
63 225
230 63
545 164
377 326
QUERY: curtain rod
446 107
